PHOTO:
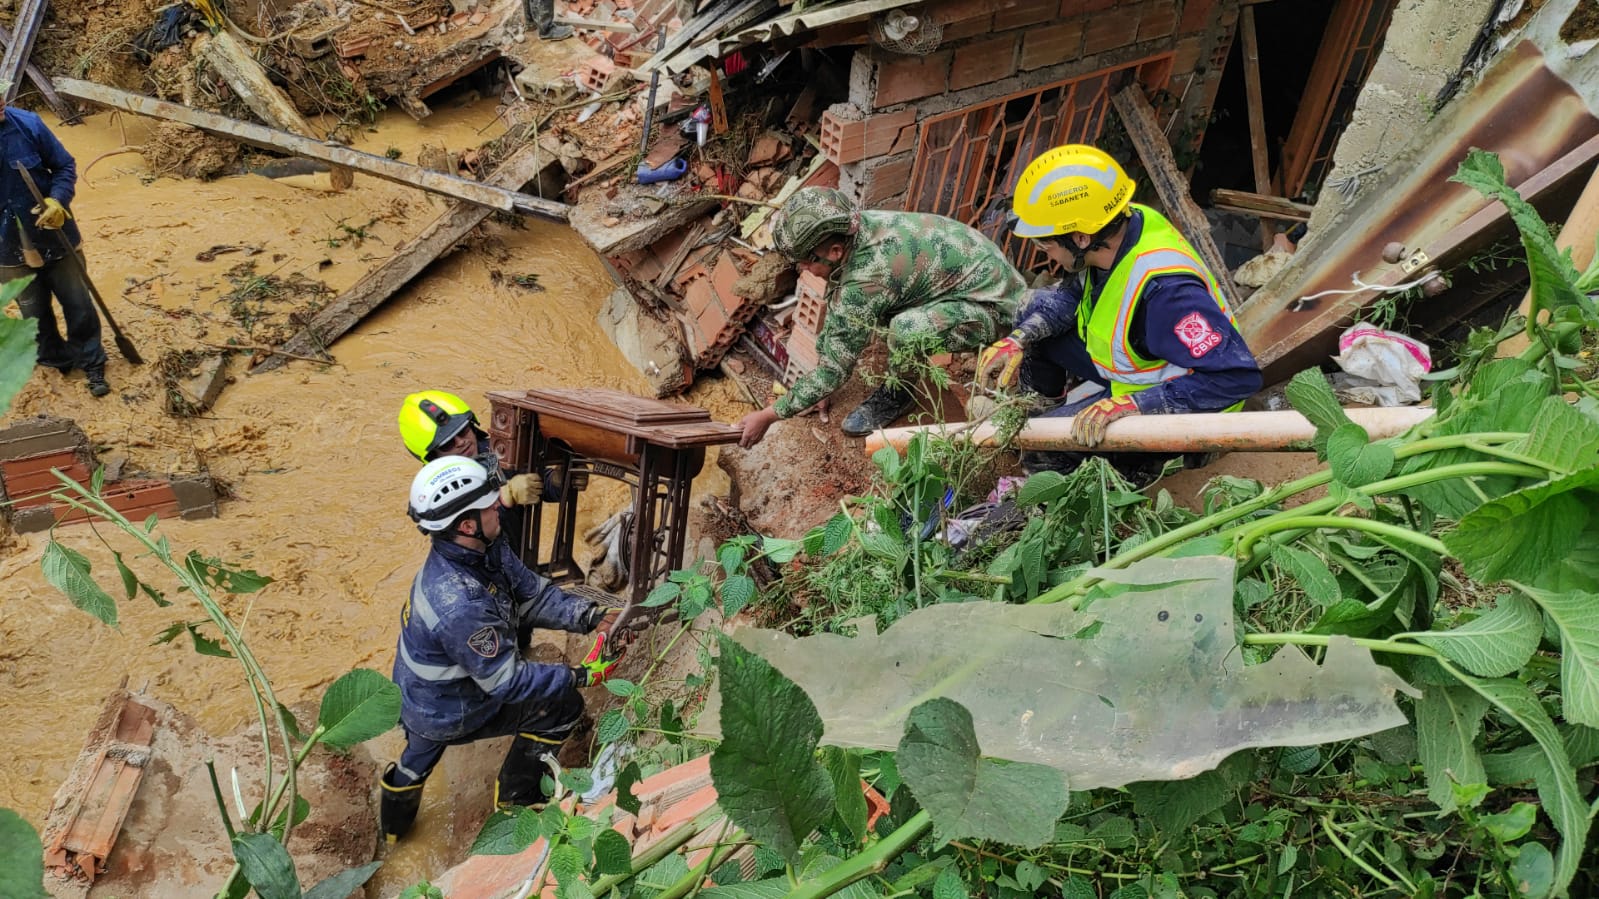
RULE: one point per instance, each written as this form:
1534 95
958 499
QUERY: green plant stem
978 576
222 805
1065 869
689 884
1332 835
669 844
1247 541
1080 585
868 863
1406 649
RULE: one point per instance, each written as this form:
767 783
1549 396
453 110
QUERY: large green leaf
737 591
266 865
968 795
1308 569
612 853
1561 437
1553 276
359 706
1175 805
765 770
343 883
1533 872
844 767
773 888
220 576
18 348
1312 397
503 834
1495 644
1562 801
1523 535
1447 721
1354 459
1576 617
21 858
68 571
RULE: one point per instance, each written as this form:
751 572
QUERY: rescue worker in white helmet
457 663
1138 313
434 423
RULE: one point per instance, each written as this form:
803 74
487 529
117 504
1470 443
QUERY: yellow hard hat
1070 188
431 419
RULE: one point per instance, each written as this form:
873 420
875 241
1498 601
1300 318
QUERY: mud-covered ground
310 452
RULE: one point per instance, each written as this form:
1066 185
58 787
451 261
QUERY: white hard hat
447 487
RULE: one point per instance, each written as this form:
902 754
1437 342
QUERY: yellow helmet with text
431 419
1070 188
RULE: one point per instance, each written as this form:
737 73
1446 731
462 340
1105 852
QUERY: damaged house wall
993 50
1535 105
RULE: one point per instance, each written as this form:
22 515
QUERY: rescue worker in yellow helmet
435 424
1138 314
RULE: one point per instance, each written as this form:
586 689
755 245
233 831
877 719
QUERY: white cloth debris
1383 368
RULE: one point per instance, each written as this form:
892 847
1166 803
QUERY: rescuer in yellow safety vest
1139 314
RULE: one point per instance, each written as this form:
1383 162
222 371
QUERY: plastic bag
1383 368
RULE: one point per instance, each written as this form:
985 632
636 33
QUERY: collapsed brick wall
992 49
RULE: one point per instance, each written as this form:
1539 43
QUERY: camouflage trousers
949 326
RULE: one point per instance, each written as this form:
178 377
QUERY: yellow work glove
1089 424
53 216
997 365
522 490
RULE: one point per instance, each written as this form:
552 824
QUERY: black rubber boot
556 32
97 384
398 806
878 411
521 780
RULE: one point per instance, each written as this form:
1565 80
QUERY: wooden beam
452 186
239 68
597 25
30 17
1257 204
1139 119
407 261
1258 154
66 112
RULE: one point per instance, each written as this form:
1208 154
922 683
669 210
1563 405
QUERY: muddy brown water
311 452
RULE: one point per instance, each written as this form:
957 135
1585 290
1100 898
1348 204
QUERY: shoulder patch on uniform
1196 333
485 642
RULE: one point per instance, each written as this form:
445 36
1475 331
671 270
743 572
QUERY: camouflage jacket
901 261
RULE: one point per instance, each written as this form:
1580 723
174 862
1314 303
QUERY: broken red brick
845 140
825 176
768 149
811 306
596 73
984 62
888 180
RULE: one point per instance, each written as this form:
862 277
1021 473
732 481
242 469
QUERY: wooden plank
30 17
66 112
598 25
239 68
1139 119
407 261
1257 114
1256 204
477 192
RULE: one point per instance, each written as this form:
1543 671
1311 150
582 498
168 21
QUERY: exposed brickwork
1196 15
1114 29
887 178
1159 20
964 11
1024 13
904 79
1052 44
982 62
1070 8
958 31
845 140
811 307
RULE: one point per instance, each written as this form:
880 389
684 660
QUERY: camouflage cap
809 216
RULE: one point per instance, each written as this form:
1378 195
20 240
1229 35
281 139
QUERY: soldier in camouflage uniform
925 278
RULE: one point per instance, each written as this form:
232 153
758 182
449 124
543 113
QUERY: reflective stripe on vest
1105 328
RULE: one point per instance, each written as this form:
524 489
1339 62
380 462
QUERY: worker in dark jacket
459 664
24 224
1140 315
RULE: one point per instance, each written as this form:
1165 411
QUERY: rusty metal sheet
1520 110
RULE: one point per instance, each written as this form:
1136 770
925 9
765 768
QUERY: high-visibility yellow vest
1105 316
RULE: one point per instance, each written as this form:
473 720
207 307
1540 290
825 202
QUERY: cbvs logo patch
1196 333
485 642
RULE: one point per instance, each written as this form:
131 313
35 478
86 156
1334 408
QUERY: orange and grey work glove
998 363
1089 424
52 214
596 667
522 490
